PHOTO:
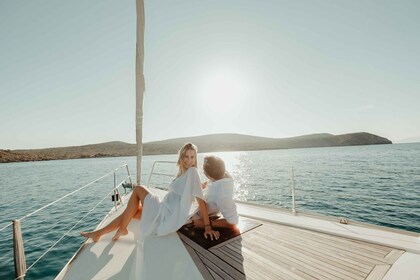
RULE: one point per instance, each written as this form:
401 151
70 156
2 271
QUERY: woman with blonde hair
166 216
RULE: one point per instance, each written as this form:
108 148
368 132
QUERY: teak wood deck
274 251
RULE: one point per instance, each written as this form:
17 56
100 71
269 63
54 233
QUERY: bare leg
95 235
115 224
138 196
137 216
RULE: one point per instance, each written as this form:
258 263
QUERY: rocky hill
205 143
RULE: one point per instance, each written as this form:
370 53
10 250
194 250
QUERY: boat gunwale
335 219
413 245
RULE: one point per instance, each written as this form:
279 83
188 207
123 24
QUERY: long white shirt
175 208
219 198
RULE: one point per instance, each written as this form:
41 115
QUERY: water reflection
375 184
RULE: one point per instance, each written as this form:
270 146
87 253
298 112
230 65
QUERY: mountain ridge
205 143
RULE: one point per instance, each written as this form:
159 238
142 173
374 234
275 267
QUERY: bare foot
93 235
120 232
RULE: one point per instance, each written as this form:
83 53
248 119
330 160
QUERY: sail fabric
140 84
170 214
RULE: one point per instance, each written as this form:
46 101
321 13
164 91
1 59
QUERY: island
206 143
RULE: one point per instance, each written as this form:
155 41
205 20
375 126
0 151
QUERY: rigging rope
79 189
5 226
65 234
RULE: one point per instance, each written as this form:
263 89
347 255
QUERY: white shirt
219 198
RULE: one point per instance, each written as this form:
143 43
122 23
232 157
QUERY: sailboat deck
274 251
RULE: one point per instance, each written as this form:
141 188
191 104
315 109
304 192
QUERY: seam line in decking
313 263
329 255
275 251
361 256
325 241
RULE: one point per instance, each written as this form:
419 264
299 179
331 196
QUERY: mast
140 85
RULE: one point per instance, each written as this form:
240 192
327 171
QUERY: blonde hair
181 154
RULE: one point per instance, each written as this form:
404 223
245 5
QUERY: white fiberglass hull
167 257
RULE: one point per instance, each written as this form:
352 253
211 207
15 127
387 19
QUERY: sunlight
221 91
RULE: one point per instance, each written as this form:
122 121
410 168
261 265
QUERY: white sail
140 84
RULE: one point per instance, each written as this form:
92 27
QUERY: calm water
373 184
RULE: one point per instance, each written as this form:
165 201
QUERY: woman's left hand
212 233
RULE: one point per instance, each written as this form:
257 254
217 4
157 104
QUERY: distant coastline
206 143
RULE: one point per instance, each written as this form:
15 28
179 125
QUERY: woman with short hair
218 196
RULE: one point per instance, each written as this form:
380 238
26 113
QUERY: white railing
160 174
303 194
18 250
293 192
294 211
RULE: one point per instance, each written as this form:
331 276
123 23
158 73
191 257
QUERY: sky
265 68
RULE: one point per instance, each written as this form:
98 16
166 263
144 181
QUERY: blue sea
374 184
